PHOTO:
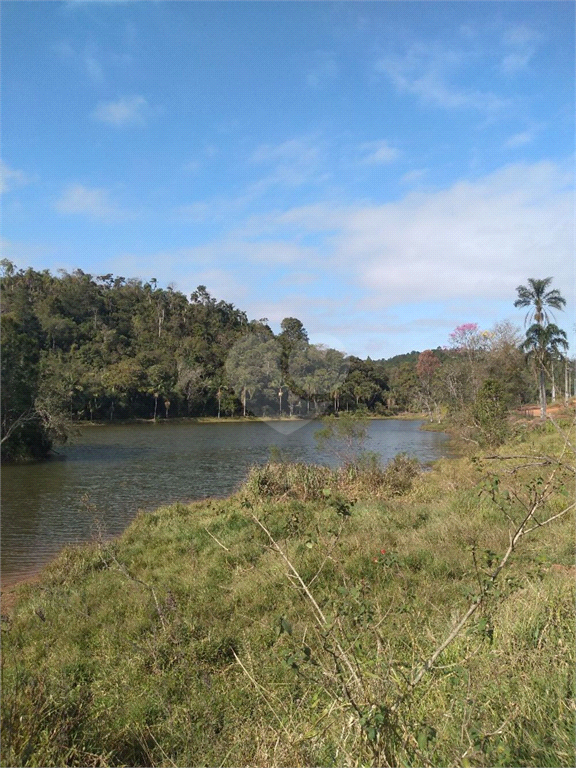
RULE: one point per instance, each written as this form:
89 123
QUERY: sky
383 171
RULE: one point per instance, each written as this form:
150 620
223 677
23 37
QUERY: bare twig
521 531
551 519
216 540
263 692
319 615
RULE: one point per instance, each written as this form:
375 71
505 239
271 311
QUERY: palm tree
543 343
537 297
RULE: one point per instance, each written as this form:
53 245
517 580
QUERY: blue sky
383 171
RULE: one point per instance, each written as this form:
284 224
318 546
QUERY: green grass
188 640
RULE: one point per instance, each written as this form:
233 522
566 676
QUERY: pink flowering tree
463 376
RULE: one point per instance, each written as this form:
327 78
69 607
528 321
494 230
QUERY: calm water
111 472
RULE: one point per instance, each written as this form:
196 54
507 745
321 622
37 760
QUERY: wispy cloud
324 70
425 72
377 153
470 240
515 62
520 42
468 244
520 139
86 61
11 178
292 152
210 151
292 163
93 67
95 203
412 177
125 110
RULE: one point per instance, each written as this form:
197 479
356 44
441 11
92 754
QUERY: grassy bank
299 623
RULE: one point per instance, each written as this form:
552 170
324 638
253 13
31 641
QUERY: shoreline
10 594
404 416
168 618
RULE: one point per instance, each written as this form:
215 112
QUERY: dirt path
552 410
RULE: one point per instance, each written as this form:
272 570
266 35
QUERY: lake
108 473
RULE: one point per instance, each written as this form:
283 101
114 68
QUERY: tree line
78 347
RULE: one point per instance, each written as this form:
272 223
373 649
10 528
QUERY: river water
108 473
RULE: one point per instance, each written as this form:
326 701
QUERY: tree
543 345
160 381
403 386
292 333
470 344
490 413
506 364
253 366
343 437
536 296
425 370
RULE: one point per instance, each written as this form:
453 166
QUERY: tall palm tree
538 298
543 343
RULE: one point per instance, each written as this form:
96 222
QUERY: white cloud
521 44
461 250
520 139
292 163
219 282
412 177
294 151
475 239
77 199
378 153
278 252
127 109
515 62
94 69
11 178
424 71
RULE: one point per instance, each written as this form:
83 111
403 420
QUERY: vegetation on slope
82 347
300 621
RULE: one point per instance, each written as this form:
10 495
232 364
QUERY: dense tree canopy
83 347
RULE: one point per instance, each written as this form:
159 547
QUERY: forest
79 347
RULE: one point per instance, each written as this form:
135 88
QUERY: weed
361 615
